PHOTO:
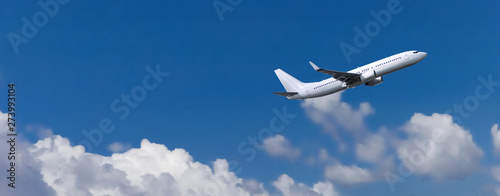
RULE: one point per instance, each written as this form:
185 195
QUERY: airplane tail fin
290 83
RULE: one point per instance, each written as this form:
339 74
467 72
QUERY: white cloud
278 146
288 187
151 169
331 112
439 148
53 166
324 156
25 169
40 131
347 175
495 133
325 188
118 147
371 149
321 158
438 160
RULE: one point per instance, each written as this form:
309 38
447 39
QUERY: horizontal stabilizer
286 94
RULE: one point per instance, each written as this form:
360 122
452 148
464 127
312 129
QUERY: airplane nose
424 54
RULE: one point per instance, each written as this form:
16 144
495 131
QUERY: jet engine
375 81
368 76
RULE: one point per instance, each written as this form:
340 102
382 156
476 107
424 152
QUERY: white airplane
370 75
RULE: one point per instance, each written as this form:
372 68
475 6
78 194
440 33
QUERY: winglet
314 66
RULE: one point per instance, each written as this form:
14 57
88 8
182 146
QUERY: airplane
370 75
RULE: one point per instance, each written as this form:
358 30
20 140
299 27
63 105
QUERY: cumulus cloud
55 167
495 133
52 166
287 186
371 149
432 146
31 183
437 147
278 146
151 169
118 147
330 112
348 175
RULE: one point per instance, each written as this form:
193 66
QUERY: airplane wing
342 76
286 94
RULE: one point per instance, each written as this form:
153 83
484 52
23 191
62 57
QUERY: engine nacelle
375 81
368 76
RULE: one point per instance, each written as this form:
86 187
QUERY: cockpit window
415 52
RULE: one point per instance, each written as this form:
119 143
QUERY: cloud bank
52 166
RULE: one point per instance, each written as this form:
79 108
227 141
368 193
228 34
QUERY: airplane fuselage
370 74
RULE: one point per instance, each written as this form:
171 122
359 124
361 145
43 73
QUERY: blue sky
221 80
